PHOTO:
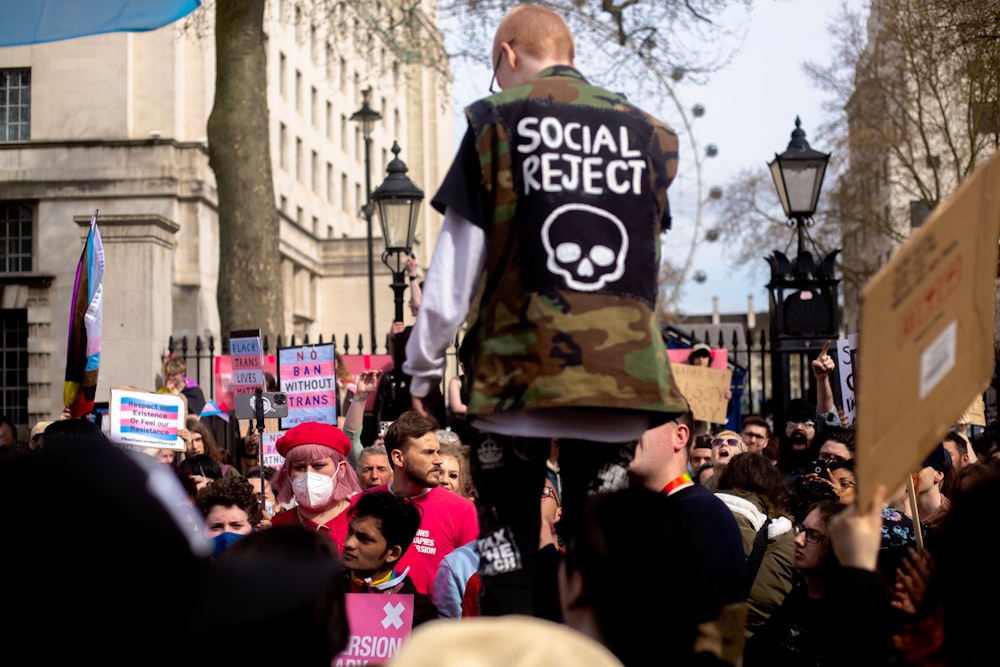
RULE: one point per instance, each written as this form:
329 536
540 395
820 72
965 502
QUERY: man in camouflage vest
553 210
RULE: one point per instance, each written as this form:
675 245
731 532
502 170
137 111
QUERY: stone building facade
116 123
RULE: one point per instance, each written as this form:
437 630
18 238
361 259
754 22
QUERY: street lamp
367 116
397 201
798 176
802 292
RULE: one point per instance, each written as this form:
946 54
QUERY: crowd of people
573 512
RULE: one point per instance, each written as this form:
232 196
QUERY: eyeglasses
497 66
549 492
808 424
732 442
812 535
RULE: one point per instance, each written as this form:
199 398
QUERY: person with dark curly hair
231 510
382 527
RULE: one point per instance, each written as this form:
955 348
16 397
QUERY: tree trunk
249 293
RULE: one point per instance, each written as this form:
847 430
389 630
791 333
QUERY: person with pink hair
317 475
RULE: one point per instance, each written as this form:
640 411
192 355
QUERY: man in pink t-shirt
448 520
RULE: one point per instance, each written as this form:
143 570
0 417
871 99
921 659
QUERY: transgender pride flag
83 347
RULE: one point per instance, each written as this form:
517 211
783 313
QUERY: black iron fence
748 354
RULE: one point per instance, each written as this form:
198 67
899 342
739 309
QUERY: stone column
138 276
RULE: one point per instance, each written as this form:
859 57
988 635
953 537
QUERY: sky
750 111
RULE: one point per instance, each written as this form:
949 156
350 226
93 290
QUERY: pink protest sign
224 379
363 362
379 624
680 356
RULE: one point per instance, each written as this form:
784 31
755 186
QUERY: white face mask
312 490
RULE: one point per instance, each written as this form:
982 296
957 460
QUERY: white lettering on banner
555 170
373 647
498 554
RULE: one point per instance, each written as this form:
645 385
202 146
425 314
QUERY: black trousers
508 473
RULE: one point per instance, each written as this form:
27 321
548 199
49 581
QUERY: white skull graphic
585 245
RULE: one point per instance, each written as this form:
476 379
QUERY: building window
343 192
357 143
15 104
343 75
298 91
282 83
298 216
343 132
298 159
315 225
985 118
15 236
313 102
314 172
283 146
14 364
329 121
329 183
357 198
919 210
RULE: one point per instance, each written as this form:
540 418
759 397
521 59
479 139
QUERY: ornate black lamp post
397 201
802 293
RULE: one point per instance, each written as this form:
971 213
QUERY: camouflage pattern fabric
577 178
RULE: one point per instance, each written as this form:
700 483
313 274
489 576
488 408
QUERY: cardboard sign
679 355
926 333
308 375
846 363
975 414
379 624
146 419
705 390
247 356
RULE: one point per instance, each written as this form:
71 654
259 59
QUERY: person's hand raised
823 365
368 382
857 536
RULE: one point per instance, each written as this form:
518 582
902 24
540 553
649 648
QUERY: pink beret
314 433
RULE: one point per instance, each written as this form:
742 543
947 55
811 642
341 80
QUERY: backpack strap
756 556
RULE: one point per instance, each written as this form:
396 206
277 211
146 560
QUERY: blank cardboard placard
925 346
705 390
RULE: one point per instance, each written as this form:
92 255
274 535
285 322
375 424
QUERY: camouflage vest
577 179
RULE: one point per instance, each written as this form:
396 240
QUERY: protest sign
847 349
307 374
146 419
362 362
224 395
925 345
271 456
247 356
379 624
705 390
679 355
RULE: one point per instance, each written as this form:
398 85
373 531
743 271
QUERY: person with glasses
725 445
804 428
553 212
838 444
794 633
756 433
